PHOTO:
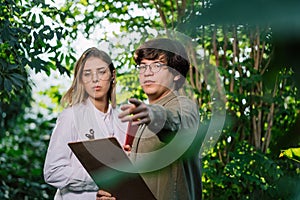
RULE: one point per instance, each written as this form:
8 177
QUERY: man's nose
148 70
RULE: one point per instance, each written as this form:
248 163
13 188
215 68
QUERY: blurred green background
245 57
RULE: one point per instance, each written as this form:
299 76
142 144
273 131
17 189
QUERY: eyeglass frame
144 67
98 73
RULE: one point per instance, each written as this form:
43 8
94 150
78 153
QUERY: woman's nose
95 77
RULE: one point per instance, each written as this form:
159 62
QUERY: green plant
22 154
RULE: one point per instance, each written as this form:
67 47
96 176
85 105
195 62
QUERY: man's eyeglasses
154 67
100 74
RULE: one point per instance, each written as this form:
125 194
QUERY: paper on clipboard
103 158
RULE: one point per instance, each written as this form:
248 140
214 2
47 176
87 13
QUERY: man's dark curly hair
171 51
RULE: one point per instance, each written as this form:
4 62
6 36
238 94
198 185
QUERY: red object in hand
131 131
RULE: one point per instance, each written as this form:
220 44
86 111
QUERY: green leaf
12 67
291 153
7 85
17 79
84 2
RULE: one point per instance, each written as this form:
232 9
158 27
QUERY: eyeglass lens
153 67
99 74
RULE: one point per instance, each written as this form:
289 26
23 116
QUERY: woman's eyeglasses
100 74
154 67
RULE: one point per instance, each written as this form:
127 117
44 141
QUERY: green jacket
166 151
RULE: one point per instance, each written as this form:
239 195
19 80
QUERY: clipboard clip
90 135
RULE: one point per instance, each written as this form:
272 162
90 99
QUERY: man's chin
149 90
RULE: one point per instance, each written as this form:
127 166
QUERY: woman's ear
113 90
113 76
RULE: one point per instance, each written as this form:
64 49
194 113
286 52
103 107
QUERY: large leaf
291 153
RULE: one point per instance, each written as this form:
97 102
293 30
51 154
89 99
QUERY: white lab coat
62 169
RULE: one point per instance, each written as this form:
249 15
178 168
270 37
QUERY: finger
126 118
126 106
105 198
139 116
135 101
139 122
125 113
103 193
134 117
127 147
140 109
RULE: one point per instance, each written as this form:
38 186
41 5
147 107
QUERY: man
166 145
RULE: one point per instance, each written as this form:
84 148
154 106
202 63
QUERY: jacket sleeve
61 168
167 120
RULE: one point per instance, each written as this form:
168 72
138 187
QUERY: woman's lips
97 88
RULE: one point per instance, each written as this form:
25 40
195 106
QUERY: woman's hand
103 195
127 149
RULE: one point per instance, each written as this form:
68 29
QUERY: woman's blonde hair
76 93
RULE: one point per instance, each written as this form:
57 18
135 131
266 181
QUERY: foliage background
251 47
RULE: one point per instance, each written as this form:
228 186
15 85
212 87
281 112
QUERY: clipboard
104 159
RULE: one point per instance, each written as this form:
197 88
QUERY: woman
90 113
